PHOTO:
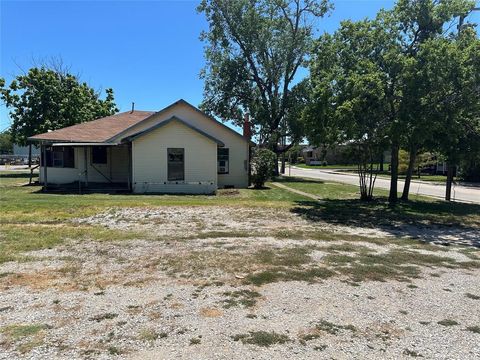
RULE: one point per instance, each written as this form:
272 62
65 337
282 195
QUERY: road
459 193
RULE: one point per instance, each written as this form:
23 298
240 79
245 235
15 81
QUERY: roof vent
133 107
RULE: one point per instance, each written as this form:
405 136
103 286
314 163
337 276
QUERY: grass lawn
342 167
33 220
384 174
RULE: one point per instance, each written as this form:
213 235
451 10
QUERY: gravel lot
184 291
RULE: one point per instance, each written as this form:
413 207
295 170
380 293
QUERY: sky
149 52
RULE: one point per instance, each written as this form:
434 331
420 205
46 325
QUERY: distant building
23 150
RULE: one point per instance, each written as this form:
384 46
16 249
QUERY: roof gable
171 106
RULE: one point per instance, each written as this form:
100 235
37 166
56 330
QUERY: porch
86 167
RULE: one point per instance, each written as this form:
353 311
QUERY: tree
253 53
47 99
354 97
453 65
262 164
6 144
420 22
384 54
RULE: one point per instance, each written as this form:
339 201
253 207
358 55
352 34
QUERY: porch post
44 156
130 168
86 165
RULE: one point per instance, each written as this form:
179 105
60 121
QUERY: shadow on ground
291 179
12 175
433 222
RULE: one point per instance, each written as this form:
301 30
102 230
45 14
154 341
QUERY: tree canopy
253 52
46 99
405 79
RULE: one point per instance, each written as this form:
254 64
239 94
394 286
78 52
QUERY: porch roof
78 144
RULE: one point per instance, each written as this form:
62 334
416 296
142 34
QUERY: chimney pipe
133 107
247 130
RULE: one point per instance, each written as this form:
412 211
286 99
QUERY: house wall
239 147
149 155
116 169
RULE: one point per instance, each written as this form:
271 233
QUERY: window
99 155
60 157
176 164
222 160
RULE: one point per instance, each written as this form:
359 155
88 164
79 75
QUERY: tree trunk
29 155
382 160
282 170
411 168
448 192
276 173
393 196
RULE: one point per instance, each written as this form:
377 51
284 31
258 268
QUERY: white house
178 149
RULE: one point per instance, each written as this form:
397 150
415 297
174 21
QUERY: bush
263 163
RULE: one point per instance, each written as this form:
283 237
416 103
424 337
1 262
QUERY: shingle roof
108 128
99 130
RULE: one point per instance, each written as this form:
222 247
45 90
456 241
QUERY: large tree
354 76
46 99
453 65
420 22
254 49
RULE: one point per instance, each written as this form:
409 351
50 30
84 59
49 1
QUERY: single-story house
178 149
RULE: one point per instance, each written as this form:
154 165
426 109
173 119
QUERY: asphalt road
459 193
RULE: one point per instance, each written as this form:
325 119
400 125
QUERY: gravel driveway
223 283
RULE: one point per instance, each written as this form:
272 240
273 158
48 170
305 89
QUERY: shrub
262 163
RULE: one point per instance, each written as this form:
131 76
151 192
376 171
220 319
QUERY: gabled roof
166 122
100 130
112 128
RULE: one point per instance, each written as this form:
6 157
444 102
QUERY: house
178 149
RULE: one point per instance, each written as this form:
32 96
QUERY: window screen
176 164
99 155
61 157
222 160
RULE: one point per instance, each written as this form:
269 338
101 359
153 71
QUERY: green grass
277 274
341 205
25 204
18 331
17 239
246 298
334 329
261 338
32 220
331 166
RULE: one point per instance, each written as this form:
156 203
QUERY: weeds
261 338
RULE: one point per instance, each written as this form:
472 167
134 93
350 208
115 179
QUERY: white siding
239 147
149 154
116 169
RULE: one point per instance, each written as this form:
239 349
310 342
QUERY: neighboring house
179 149
332 155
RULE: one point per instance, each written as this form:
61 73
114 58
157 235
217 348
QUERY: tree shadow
293 179
433 222
20 175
